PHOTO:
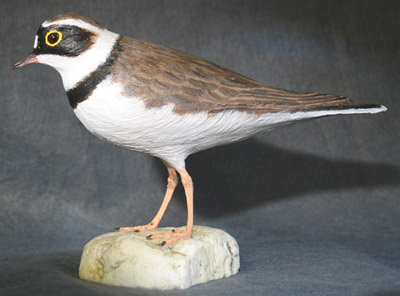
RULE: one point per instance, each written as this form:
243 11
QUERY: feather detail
161 76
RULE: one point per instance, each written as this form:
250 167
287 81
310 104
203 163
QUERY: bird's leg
172 182
177 235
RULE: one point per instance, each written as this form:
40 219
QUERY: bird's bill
29 59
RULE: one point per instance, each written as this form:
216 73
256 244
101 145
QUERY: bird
153 99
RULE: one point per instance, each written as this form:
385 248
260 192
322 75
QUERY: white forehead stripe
73 22
36 42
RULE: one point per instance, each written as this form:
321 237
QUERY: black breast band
84 88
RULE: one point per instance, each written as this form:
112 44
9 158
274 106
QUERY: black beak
29 59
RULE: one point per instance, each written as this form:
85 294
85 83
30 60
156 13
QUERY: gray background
314 207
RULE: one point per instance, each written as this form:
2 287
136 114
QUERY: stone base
128 259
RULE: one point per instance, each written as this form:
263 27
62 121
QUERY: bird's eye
53 38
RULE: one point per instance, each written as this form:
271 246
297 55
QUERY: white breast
126 122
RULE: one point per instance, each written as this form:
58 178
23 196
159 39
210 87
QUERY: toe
138 228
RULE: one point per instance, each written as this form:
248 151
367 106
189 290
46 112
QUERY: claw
170 238
140 228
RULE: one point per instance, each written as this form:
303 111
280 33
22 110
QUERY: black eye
53 38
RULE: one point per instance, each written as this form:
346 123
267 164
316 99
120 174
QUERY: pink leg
172 182
171 238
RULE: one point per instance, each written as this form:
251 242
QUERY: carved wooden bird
153 99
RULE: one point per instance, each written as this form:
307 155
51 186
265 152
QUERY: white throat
75 69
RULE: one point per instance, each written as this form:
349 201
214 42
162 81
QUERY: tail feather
356 108
340 110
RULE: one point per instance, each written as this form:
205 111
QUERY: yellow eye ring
53 37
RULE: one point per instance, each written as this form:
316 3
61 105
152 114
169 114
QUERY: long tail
287 117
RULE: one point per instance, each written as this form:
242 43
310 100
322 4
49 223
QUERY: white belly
126 122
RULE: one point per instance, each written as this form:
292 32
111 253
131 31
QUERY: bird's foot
170 238
140 228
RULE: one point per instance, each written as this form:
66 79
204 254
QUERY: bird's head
74 45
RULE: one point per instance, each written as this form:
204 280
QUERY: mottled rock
128 259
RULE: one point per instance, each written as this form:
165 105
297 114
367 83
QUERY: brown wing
160 75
